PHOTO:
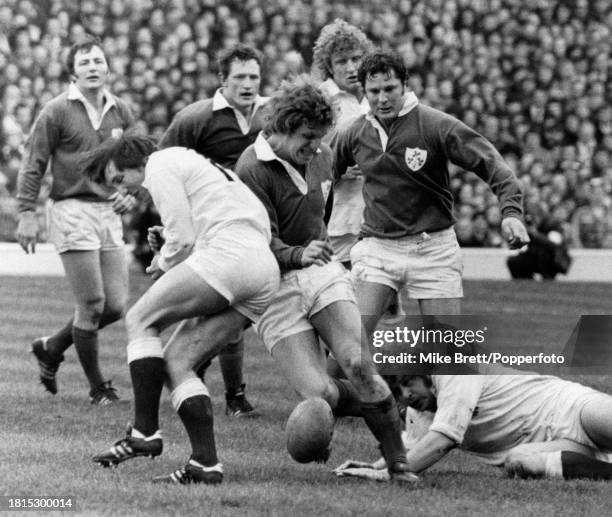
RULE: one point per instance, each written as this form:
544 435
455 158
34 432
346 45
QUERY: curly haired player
290 170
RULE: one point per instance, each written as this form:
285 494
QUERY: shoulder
353 128
247 161
195 112
57 104
435 116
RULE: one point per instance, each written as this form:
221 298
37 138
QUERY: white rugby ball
309 431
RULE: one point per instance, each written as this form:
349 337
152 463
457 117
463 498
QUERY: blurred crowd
533 77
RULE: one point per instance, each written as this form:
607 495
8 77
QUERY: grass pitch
47 441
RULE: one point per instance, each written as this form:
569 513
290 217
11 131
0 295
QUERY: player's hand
354 464
27 231
515 233
123 203
154 270
155 237
318 253
353 173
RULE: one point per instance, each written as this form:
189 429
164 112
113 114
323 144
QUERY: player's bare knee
320 388
356 371
91 310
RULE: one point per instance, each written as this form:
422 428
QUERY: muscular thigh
180 293
301 358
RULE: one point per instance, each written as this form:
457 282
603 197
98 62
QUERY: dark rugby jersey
406 188
295 203
211 128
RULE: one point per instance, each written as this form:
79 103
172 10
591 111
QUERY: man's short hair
295 104
239 52
338 36
382 63
85 44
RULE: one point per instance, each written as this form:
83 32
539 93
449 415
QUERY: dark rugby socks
148 371
191 401
86 344
383 420
348 399
230 360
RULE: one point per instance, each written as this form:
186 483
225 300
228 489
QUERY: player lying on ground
213 227
532 425
291 172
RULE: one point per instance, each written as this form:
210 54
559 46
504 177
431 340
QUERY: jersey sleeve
257 178
39 147
457 398
341 144
168 193
472 151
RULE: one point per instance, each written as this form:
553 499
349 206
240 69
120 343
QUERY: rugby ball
309 431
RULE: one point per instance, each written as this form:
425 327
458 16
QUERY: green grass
47 441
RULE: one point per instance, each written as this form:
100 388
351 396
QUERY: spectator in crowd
524 69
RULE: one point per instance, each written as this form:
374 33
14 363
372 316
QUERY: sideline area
479 263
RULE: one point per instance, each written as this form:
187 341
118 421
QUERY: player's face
299 147
90 69
344 66
126 180
385 93
418 395
242 84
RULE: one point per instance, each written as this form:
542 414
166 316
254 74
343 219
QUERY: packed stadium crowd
533 78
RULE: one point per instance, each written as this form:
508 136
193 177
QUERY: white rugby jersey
196 198
486 414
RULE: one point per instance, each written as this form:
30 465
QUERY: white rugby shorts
428 265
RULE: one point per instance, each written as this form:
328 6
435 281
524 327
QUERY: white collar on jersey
410 102
265 153
331 89
74 94
220 102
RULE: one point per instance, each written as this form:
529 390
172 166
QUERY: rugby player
220 129
337 54
290 170
402 149
84 221
213 227
532 425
